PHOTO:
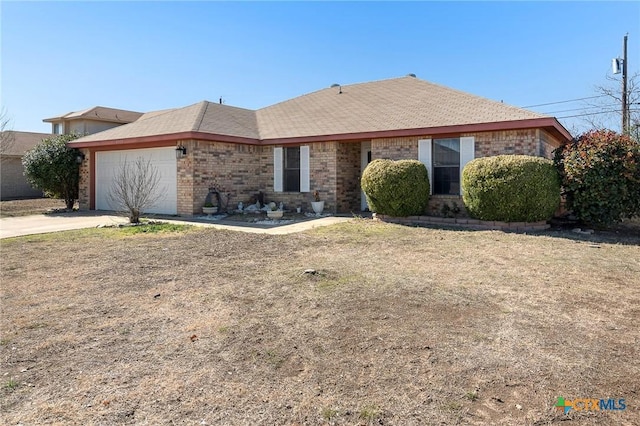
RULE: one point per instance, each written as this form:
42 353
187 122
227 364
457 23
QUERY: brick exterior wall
518 142
395 148
14 183
83 186
335 169
348 160
234 167
547 144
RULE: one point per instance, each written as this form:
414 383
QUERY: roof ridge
204 105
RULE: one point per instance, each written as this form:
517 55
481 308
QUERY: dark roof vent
335 85
411 75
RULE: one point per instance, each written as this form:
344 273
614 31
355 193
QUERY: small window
292 169
57 129
446 166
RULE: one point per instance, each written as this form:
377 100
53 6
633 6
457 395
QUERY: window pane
292 158
446 152
446 166
292 169
292 180
446 180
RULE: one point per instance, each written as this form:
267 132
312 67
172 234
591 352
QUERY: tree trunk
134 215
69 202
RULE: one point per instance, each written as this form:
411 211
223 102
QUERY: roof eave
548 123
165 138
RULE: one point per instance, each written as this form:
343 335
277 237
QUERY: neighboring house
319 141
14 183
92 120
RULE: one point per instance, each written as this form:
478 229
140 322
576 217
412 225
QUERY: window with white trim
446 166
291 169
445 159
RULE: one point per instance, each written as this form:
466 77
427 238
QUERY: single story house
319 141
14 146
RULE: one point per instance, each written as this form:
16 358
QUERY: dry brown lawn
14 208
398 326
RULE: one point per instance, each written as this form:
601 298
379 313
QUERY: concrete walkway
42 224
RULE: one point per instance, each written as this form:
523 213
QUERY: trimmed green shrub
396 188
511 188
600 176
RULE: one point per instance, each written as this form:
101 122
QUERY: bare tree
7 138
605 110
135 189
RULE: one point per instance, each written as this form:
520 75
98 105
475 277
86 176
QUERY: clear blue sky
59 57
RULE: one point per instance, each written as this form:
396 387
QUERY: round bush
511 188
396 188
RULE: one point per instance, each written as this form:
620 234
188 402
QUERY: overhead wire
581 109
564 102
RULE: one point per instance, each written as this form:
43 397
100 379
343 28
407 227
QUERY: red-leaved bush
600 176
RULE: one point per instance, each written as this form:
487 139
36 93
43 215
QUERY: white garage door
108 165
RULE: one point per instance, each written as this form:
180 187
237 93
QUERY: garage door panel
109 163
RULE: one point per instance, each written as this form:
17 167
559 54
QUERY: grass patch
88 235
153 228
329 414
369 413
471 396
11 384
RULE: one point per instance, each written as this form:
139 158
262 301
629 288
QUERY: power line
581 109
564 102
593 113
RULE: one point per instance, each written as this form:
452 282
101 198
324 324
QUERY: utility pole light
615 65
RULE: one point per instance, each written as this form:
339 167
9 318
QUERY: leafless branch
135 189
599 113
7 137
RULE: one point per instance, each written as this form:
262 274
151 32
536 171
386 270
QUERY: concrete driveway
42 224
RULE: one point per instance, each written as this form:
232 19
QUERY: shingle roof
386 105
399 103
99 113
21 142
203 117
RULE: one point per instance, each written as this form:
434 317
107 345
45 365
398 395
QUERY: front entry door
365 158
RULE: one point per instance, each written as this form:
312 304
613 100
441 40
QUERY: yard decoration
317 205
274 212
209 209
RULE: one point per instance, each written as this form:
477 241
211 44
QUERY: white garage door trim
108 164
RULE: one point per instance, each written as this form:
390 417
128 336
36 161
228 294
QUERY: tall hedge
396 188
511 188
600 173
